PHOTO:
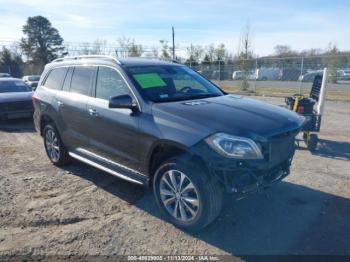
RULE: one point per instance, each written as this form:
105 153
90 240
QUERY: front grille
281 148
17 106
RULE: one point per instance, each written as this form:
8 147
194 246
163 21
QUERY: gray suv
162 124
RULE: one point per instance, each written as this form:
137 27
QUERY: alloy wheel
52 145
179 195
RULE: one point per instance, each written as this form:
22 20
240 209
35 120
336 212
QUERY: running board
103 168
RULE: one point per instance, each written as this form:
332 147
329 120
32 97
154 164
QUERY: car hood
230 114
15 96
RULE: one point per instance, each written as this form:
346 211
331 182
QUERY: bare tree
124 45
283 50
210 53
332 62
220 52
85 48
244 54
135 50
194 54
99 47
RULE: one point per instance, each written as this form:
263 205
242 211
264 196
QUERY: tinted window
110 83
55 78
81 80
67 80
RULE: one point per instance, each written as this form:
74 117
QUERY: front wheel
186 196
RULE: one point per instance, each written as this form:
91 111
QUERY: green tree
164 52
11 62
42 42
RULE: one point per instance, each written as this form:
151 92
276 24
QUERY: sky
299 24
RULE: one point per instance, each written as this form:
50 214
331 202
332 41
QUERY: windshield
13 86
162 83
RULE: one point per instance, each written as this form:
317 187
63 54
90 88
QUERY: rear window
13 86
55 78
82 79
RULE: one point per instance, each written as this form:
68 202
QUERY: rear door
46 103
113 133
72 102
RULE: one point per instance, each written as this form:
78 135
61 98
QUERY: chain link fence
289 74
266 75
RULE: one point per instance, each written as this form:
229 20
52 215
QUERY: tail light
34 99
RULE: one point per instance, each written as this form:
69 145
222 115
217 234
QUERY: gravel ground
79 210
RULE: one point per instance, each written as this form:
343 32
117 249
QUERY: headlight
234 146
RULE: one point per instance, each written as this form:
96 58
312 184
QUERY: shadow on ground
17 125
333 149
328 148
285 219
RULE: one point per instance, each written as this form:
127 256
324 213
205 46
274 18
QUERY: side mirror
123 101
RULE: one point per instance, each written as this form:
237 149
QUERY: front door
113 133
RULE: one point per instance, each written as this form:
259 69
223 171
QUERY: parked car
15 99
265 74
343 74
162 124
31 80
237 75
310 76
4 75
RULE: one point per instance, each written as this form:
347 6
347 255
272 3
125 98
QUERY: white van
265 74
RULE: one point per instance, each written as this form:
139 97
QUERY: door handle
93 112
60 104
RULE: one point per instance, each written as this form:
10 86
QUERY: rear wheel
54 147
186 196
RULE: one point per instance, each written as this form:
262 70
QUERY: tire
200 205
55 149
312 142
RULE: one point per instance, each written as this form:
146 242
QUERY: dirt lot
83 211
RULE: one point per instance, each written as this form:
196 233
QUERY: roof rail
86 57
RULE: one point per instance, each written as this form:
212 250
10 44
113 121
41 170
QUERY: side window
110 83
55 78
81 79
68 79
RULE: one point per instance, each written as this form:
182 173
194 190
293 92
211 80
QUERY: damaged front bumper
240 176
241 180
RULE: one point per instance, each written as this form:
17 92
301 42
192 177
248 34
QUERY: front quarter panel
159 127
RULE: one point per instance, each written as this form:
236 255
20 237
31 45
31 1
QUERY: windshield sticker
149 80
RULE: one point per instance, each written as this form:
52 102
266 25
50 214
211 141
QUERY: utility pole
173 43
